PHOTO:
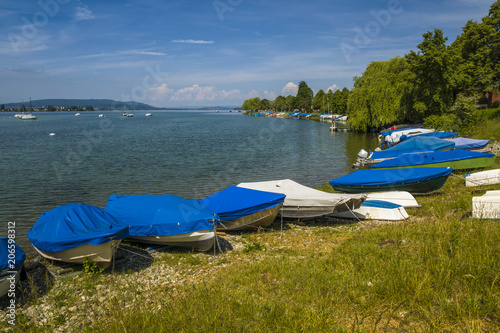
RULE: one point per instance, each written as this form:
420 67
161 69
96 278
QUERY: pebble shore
76 301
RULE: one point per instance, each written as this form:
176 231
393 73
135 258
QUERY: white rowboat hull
402 198
486 206
488 177
375 213
5 282
201 240
259 219
101 254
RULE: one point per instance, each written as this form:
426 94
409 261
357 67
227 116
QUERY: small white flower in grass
369 284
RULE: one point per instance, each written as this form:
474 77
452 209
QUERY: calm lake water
188 153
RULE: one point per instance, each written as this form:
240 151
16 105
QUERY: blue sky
201 53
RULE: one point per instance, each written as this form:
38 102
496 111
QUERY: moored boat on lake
413 180
303 202
165 220
241 208
28 117
12 259
457 159
77 232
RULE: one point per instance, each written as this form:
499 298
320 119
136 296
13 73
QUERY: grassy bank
437 271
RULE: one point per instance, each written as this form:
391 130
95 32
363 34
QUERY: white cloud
83 13
333 88
197 93
122 53
270 95
192 41
290 89
252 93
19 44
160 93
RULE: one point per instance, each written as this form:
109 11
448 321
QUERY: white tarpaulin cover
300 195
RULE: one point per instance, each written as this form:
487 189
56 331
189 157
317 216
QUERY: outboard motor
363 154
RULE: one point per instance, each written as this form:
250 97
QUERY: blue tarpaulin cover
430 158
389 177
414 145
465 143
66 227
440 135
380 204
235 202
18 253
154 215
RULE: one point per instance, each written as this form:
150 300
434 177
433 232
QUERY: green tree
289 102
479 50
342 102
304 97
378 95
279 103
432 78
319 101
265 104
2 107
251 104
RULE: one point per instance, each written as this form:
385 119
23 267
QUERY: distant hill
103 104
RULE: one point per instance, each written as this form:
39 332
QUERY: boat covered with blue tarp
240 208
165 219
77 232
73 225
413 145
457 159
12 259
466 143
413 180
439 135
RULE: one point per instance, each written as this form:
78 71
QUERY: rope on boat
220 249
349 208
463 178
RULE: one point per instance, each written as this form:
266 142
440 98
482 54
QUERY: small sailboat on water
28 116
